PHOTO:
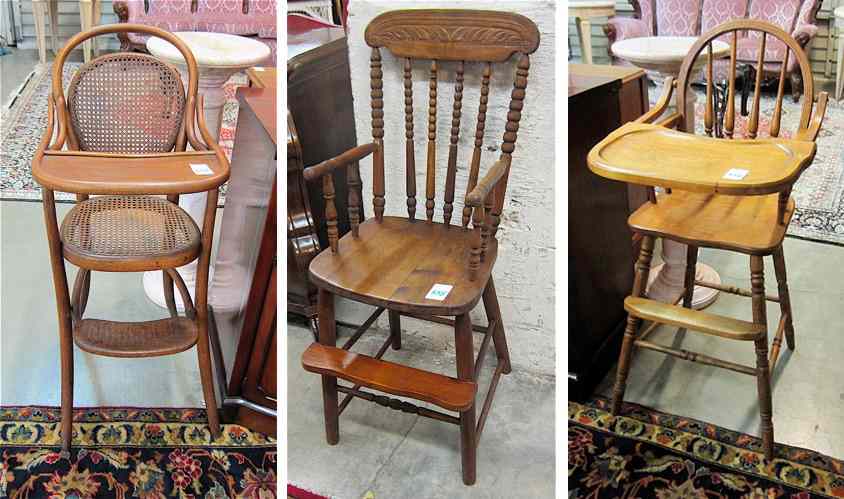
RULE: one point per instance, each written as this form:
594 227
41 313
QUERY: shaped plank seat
135 339
694 320
653 155
389 377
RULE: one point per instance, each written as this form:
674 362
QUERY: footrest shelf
694 320
444 391
135 339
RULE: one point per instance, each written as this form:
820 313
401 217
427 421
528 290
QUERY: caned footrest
444 391
135 339
694 320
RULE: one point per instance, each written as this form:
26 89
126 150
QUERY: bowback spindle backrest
733 31
459 36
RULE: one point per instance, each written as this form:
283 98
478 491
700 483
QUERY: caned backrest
126 103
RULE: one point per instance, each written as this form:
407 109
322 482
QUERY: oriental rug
644 453
130 452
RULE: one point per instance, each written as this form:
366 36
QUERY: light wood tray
657 156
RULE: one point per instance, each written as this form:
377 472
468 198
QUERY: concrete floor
808 394
386 453
16 66
29 345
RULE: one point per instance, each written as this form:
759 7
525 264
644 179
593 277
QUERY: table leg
584 33
839 68
665 281
86 16
38 13
211 83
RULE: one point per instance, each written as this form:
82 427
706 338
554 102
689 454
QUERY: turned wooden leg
763 379
499 340
785 299
169 296
465 371
395 329
640 280
689 279
328 336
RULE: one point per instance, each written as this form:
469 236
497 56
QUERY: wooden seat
136 233
119 132
135 339
444 391
747 224
395 263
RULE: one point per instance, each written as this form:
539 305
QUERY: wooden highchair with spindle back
421 268
720 193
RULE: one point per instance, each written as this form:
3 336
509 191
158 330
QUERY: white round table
218 56
664 55
839 66
582 11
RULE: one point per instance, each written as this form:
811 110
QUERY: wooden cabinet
243 288
601 248
319 99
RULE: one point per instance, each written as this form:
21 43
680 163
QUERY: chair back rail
461 36
765 30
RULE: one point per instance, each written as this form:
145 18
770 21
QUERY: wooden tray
654 155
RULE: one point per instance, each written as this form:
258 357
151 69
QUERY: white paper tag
201 169
736 174
438 292
257 68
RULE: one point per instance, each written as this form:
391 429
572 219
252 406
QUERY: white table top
664 53
576 4
212 49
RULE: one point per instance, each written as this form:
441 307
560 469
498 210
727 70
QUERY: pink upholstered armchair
695 17
253 18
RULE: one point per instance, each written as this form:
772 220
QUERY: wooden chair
394 262
125 125
726 194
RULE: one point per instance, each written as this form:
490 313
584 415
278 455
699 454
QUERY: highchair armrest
319 170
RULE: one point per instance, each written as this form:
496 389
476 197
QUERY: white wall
524 271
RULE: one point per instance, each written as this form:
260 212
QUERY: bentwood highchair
121 134
417 267
720 193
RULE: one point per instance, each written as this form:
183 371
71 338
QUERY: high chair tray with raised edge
657 156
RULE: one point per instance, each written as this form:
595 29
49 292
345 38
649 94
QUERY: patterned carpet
125 452
644 453
22 126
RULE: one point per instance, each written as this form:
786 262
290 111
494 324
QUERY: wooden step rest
389 377
135 339
694 320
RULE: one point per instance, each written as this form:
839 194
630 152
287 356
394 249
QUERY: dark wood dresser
319 100
243 287
601 248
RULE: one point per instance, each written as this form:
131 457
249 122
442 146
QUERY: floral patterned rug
127 452
644 453
819 193
22 126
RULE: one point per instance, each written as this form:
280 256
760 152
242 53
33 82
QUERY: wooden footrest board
389 377
695 320
135 339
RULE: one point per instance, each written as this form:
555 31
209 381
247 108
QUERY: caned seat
141 232
747 224
395 264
